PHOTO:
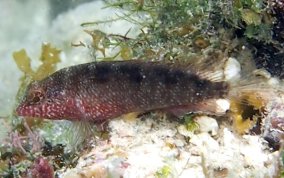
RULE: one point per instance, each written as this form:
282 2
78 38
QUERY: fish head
44 99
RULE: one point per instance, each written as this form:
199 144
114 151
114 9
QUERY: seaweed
49 58
178 29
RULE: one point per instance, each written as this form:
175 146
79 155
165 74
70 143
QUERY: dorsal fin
216 68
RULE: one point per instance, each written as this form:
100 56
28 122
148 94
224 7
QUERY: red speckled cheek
95 110
65 109
53 110
43 110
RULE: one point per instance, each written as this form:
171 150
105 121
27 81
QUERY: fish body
99 91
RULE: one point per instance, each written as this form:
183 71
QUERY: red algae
42 169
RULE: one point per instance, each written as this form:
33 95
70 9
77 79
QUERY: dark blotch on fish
102 72
133 72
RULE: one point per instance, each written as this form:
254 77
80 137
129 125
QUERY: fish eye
36 96
36 99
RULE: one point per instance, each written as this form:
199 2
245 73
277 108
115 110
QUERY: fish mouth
22 111
27 111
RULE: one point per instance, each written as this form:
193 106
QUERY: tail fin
249 99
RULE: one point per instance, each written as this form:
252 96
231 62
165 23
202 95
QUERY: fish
99 91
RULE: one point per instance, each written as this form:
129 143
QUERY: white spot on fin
232 69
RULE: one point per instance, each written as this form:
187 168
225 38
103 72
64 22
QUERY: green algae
164 172
190 123
184 29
